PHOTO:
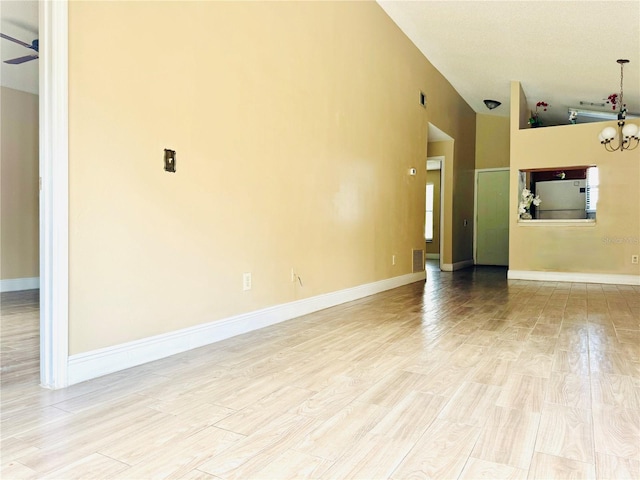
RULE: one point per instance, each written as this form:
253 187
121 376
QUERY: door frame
441 160
54 193
475 207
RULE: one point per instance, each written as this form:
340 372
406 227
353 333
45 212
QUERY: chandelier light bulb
609 133
630 130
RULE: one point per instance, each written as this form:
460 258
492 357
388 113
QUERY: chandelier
627 134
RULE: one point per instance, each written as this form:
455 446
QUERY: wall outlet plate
246 281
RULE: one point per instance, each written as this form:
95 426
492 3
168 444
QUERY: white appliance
562 199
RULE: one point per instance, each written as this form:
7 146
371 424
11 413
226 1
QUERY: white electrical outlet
634 259
393 259
246 281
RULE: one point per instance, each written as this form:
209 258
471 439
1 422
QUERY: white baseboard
608 278
450 267
17 284
433 256
85 366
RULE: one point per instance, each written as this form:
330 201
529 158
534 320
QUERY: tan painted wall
295 124
19 171
433 176
492 141
520 113
605 247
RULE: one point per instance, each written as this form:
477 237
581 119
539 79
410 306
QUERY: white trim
496 169
17 284
609 278
433 256
85 366
54 194
451 267
575 222
434 163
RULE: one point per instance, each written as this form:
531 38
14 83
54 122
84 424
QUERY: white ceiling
562 52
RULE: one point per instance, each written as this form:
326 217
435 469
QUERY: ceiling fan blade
15 40
17 61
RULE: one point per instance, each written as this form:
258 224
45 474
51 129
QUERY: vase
525 216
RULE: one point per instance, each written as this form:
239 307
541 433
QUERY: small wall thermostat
412 171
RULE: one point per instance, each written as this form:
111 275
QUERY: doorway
440 158
433 208
19 165
492 217
19 216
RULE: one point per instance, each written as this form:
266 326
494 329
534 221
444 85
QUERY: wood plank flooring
467 376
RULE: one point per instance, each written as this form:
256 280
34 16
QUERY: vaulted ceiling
563 52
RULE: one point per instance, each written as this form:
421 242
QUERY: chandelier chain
621 83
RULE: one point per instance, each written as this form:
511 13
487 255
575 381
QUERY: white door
492 220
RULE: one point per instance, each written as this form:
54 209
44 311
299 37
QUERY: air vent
418 261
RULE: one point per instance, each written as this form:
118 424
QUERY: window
593 187
428 223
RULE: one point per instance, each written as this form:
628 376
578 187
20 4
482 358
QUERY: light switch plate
169 160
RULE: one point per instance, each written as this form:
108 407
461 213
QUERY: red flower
541 104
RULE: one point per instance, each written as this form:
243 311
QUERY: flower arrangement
534 121
528 198
613 100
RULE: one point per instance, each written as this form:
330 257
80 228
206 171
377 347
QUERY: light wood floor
466 376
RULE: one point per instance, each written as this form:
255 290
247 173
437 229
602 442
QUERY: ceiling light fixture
491 104
627 134
592 104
